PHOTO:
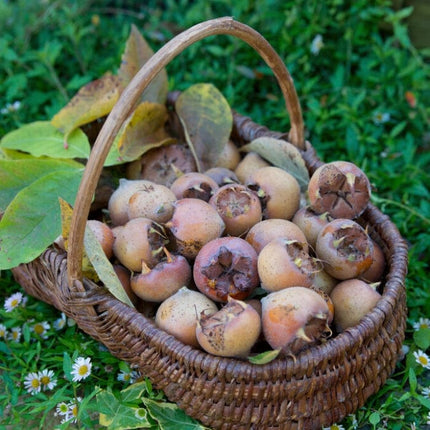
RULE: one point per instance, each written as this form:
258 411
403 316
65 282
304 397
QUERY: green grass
364 98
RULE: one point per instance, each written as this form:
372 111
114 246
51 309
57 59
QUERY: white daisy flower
317 44
12 302
60 323
11 107
41 329
421 323
426 392
32 383
381 117
128 376
47 379
81 368
354 422
3 331
62 409
422 358
73 410
15 334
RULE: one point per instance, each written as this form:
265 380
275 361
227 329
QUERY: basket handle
129 99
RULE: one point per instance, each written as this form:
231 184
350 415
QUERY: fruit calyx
229 272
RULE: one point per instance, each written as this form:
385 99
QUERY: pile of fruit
237 259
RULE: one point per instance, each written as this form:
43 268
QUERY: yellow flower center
63 408
45 380
423 360
39 329
83 370
35 383
424 325
75 410
14 303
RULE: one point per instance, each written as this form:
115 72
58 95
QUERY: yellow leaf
137 52
102 268
104 420
144 127
66 220
92 101
207 120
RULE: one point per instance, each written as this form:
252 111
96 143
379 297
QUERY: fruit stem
298 262
350 178
168 255
375 285
178 172
337 242
157 251
145 268
300 333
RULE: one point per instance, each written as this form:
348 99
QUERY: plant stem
402 206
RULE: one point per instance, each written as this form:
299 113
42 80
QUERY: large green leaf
116 415
32 220
170 417
207 120
18 174
134 391
41 138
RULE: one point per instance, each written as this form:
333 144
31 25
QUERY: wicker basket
319 387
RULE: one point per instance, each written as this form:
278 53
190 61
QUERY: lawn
364 90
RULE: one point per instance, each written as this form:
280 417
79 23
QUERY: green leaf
264 357
351 139
170 417
337 79
117 416
207 120
67 366
281 154
374 418
42 138
412 380
18 174
401 32
425 401
32 221
134 392
422 338
104 268
398 128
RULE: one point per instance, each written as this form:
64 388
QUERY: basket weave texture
318 387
